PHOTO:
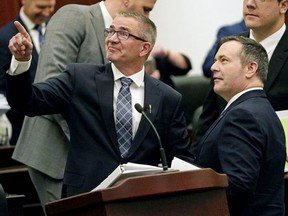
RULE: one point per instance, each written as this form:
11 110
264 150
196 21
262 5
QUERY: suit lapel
105 85
277 61
151 97
98 24
244 97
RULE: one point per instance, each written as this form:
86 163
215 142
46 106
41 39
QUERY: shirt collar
138 77
106 16
26 20
235 97
271 42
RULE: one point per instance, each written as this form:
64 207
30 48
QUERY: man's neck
262 33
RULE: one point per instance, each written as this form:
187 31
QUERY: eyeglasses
121 35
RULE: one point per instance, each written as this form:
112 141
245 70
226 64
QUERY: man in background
33 15
163 64
75 34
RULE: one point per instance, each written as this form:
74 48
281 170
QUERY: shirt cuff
17 67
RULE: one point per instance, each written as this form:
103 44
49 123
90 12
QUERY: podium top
144 186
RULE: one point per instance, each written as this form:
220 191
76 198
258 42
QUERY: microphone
140 109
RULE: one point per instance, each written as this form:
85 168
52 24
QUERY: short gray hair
148 29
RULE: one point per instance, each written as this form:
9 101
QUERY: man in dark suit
266 21
247 142
86 95
74 35
32 13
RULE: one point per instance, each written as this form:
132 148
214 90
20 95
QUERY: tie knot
38 28
126 81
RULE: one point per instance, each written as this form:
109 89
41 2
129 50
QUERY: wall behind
191 26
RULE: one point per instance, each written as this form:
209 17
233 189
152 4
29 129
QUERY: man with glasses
73 35
89 97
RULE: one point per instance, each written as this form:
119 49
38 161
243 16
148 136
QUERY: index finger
20 28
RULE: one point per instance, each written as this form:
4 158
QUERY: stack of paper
124 171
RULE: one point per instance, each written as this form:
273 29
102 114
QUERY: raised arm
21 45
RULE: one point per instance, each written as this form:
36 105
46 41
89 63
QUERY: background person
163 64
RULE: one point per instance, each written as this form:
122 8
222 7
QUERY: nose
214 68
113 38
249 3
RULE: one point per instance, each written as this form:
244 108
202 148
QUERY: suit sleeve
240 149
43 98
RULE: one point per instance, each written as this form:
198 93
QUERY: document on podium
283 116
127 170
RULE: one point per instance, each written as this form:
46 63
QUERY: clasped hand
21 45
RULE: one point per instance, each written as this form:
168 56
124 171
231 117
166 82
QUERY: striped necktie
124 117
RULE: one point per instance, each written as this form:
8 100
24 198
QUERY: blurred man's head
38 10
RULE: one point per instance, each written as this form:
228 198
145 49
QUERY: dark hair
251 52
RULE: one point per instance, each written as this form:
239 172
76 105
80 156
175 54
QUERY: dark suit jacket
247 143
276 89
84 96
6 33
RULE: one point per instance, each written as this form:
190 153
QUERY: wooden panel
8 10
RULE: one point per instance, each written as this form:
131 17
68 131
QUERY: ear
283 6
251 70
145 49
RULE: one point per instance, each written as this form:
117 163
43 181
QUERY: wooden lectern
198 192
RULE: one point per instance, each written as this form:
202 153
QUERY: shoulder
232 29
84 67
75 8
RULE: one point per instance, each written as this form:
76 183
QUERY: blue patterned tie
41 36
124 117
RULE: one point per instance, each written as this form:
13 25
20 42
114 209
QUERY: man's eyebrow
121 28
